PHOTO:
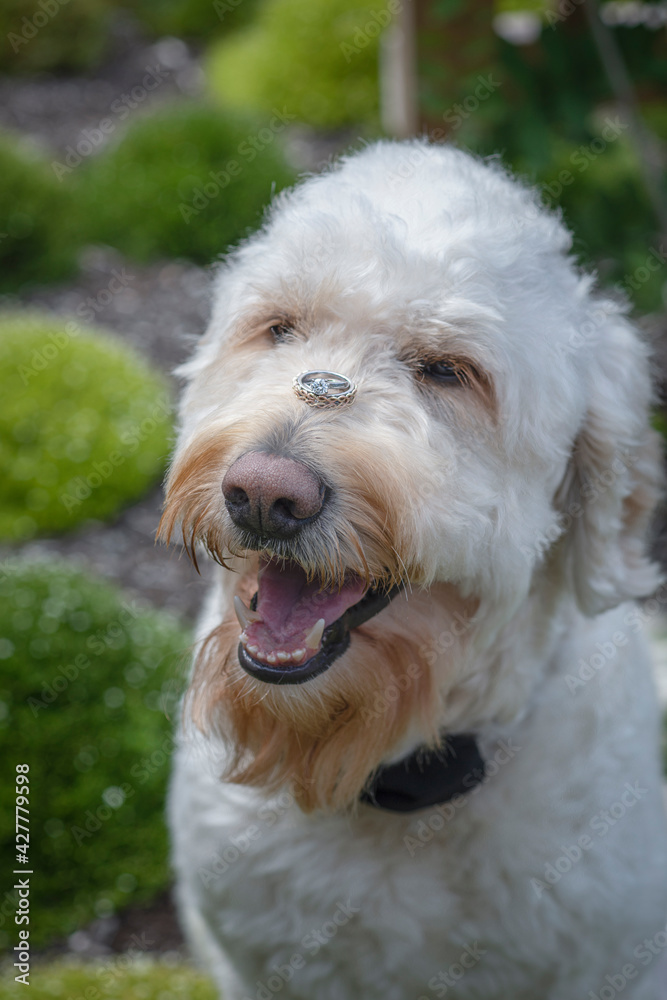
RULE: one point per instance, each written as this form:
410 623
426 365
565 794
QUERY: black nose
272 496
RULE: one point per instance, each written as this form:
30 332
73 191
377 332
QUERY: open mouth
294 629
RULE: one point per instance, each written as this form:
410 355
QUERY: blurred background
137 142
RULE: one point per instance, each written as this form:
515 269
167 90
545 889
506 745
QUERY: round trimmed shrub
118 977
88 695
35 244
84 425
318 60
184 182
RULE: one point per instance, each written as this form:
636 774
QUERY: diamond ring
322 388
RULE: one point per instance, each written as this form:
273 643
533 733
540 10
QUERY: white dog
418 443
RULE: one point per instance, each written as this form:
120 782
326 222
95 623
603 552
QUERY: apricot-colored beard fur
324 738
364 538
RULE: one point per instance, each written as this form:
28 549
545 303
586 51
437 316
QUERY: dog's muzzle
322 388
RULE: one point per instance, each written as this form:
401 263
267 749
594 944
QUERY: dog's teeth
283 657
271 658
243 638
314 637
253 649
260 654
245 615
298 655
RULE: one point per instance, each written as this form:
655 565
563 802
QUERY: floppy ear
615 475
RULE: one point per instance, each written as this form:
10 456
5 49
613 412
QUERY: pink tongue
290 606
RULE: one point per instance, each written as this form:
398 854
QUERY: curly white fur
549 881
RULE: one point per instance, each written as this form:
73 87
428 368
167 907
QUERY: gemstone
319 386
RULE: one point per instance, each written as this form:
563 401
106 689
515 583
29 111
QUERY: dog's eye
444 372
279 332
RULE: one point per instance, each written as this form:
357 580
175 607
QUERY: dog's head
495 457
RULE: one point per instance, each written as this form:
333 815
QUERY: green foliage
72 36
119 977
88 681
600 188
520 6
184 182
194 18
34 209
549 109
84 425
41 35
317 60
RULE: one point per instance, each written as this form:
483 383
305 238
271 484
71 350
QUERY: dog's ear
615 475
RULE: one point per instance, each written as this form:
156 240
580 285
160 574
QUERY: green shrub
41 35
88 680
84 425
118 977
34 208
315 59
184 182
197 19
605 204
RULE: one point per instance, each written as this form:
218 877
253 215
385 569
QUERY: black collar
427 777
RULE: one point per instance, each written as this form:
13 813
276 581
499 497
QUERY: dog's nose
270 495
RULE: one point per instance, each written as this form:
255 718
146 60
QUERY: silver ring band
324 388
